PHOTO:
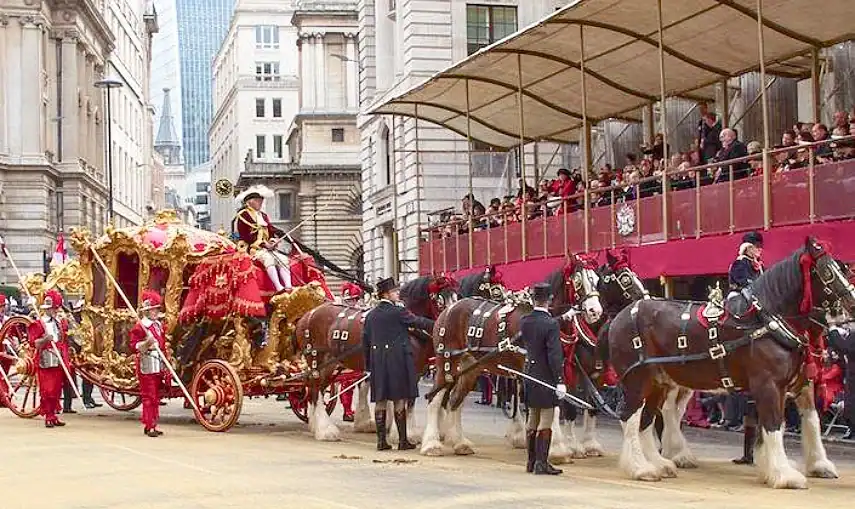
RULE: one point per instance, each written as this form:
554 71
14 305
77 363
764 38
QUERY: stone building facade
402 43
51 124
318 187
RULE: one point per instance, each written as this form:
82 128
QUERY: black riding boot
747 447
530 436
67 396
380 420
541 447
401 422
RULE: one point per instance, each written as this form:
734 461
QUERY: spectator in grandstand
841 121
652 186
844 149
564 186
657 150
731 148
631 163
494 217
756 164
823 153
709 132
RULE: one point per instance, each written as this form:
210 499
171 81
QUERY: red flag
60 255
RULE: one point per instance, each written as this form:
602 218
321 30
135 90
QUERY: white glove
569 314
561 391
840 330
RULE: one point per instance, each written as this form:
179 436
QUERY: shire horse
586 365
329 338
475 335
755 344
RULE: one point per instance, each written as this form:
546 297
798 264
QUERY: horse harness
340 334
712 316
478 321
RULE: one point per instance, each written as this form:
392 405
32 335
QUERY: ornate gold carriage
222 352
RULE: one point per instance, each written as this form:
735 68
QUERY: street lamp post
108 84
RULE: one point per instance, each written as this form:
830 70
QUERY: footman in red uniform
43 334
147 333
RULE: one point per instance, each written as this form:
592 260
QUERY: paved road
102 460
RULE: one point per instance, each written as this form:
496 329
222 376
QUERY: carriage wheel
219 395
119 400
299 401
24 392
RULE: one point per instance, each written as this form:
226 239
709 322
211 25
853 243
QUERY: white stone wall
131 120
51 127
397 51
235 124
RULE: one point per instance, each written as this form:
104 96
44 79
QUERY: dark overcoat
844 344
544 358
742 273
388 353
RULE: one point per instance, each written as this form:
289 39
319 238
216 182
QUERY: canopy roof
704 42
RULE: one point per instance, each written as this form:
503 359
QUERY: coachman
389 359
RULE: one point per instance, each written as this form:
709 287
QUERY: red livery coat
150 384
50 379
251 232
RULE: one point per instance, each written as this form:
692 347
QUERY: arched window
385 157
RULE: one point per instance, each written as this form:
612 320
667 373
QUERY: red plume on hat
351 291
53 300
150 300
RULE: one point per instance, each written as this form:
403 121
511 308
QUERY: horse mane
780 287
417 291
469 284
555 280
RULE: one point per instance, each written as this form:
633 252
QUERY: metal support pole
663 110
767 191
418 188
647 114
109 157
394 160
522 154
816 85
725 103
471 219
586 141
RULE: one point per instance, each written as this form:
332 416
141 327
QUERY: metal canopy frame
696 43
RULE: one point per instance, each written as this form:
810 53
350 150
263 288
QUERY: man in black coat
843 342
545 362
731 149
744 271
389 360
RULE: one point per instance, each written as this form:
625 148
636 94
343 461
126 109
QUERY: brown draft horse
659 345
475 335
586 355
329 338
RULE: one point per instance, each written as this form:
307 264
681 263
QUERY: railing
815 193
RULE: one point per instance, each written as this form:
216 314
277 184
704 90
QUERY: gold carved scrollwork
287 309
240 357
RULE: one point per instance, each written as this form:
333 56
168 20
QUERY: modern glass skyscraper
202 26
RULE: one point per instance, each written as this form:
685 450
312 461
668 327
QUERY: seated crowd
641 176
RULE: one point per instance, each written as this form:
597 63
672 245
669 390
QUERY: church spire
166 143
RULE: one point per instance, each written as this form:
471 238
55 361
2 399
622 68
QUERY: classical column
31 82
320 72
71 133
307 77
4 137
351 75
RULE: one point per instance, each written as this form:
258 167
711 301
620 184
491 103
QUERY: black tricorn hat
541 292
753 238
386 285
565 171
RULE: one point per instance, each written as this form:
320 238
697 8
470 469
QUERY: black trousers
68 393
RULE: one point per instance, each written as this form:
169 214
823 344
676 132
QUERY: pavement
102 460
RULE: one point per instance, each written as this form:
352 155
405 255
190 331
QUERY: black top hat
541 292
564 171
386 285
753 238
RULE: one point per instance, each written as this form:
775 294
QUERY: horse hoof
823 470
560 460
668 471
463 449
593 453
429 449
685 461
647 476
578 454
